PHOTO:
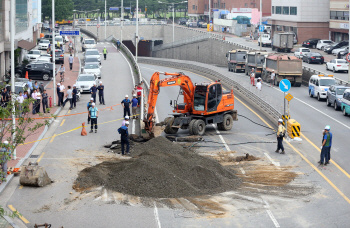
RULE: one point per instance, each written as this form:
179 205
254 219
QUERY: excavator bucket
34 175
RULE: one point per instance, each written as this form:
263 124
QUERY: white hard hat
100 82
74 85
91 99
104 46
93 104
327 128
6 142
134 95
259 78
94 84
280 120
58 84
127 123
126 117
126 95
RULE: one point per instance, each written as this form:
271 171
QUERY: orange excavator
203 104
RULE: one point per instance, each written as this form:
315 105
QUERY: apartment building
339 20
306 18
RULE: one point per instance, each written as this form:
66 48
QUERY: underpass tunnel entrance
145 46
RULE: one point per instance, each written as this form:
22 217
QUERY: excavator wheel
220 126
227 123
168 123
190 126
199 127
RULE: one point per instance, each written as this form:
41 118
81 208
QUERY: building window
278 9
340 15
273 10
193 7
286 10
293 10
1 24
21 15
205 6
196 7
246 5
224 6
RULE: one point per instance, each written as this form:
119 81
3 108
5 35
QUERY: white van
265 40
319 84
89 44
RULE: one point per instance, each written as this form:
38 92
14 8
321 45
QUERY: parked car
33 55
43 44
47 37
92 68
336 51
310 43
182 21
42 71
202 24
345 105
319 84
343 54
59 56
93 53
329 49
46 26
91 59
301 52
86 81
44 58
322 43
313 57
89 44
337 65
334 96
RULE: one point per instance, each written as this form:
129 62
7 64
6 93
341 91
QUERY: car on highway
313 57
319 84
92 53
89 44
42 71
43 44
59 56
336 51
335 95
322 43
92 68
310 43
33 55
86 81
91 59
300 52
330 48
337 65
345 105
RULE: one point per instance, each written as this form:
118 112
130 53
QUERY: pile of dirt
160 168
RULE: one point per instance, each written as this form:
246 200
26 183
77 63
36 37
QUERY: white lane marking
221 138
242 170
273 218
133 127
272 161
156 215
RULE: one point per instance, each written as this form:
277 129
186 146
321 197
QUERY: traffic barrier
293 128
284 118
26 75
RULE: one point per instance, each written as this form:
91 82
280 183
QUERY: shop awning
26 45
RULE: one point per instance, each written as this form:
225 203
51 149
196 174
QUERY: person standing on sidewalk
75 92
280 134
326 146
34 102
30 86
89 105
93 114
118 44
259 84
41 87
4 153
124 137
45 97
38 101
134 105
272 82
62 90
71 59
252 77
20 100
93 91
126 105
101 97
69 97
105 52
58 90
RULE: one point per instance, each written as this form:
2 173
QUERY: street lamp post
13 73
261 21
53 51
137 28
122 23
105 19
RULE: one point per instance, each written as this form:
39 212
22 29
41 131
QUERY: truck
284 67
236 60
256 60
265 39
282 42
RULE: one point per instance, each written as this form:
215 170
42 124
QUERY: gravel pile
160 168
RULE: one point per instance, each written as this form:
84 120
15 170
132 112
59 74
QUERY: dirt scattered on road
161 169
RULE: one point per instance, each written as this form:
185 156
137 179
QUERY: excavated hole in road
161 169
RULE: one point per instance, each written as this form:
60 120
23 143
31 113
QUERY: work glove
321 147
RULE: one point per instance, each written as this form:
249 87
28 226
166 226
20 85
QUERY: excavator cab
207 97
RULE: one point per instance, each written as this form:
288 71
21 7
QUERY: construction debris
34 175
160 168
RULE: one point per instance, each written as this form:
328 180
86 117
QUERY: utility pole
85 20
210 11
105 19
349 51
137 27
122 23
174 23
74 40
12 34
53 51
261 23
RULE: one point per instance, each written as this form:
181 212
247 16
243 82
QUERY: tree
63 9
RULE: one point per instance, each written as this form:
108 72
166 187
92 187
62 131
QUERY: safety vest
104 51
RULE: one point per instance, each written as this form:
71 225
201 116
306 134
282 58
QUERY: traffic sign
261 28
285 85
98 25
348 57
289 97
69 32
113 8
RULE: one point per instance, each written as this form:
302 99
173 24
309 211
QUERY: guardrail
88 33
126 23
272 113
311 70
181 42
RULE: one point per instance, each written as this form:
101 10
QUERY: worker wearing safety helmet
326 146
105 52
4 155
124 137
280 134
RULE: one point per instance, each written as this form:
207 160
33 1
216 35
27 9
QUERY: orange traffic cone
26 75
83 131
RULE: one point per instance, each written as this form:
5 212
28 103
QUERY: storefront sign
344 25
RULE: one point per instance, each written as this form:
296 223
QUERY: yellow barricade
293 128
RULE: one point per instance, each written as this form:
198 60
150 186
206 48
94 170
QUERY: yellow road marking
41 156
20 187
20 216
53 137
319 150
302 156
62 122
69 111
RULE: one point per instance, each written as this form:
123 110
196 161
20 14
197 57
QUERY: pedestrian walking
71 59
134 105
4 153
62 90
58 90
93 114
20 100
259 84
124 137
105 52
93 91
252 77
34 103
272 82
126 105
38 101
118 44
101 97
89 105
75 92
45 98
280 134
326 146
69 97
126 118
134 90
